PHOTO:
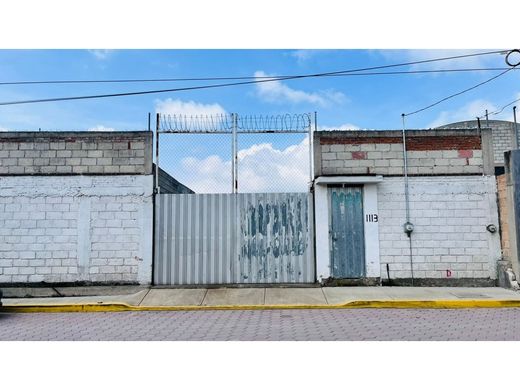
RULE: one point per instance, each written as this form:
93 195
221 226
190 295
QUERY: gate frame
311 127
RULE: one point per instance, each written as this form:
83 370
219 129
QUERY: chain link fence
231 153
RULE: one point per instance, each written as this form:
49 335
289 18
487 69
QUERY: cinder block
337 148
95 153
16 170
95 169
324 156
137 145
64 153
104 146
111 169
104 161
57 145
48 153
72 145
57 161
16 153
131 169
374 155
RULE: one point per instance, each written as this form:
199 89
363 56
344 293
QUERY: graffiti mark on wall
274 231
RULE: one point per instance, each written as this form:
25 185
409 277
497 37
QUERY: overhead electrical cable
124 81
255 81
460 93
500 109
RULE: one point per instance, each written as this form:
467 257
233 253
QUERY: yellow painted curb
404 304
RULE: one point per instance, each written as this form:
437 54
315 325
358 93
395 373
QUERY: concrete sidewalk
143 298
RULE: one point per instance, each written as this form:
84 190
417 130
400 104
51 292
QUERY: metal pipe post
157 119
405 170
234 159
515 142
408 226
311 170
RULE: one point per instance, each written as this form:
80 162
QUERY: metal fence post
234 160
311 170
157 121
235 154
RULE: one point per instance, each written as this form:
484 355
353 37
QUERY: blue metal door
347 233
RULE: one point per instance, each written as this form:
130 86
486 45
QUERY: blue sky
374 102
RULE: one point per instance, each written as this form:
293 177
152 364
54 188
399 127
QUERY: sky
266 162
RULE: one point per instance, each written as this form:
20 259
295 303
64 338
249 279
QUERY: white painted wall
321 209
76 228
450 215
373 268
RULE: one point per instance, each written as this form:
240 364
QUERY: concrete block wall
62 229
450 215
503 135
503 140
64 153
381 152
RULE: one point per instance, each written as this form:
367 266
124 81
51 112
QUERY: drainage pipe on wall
408 226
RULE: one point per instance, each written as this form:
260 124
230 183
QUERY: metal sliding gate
234 238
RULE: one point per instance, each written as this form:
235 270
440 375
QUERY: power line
461 92
256 81
499 110
114 81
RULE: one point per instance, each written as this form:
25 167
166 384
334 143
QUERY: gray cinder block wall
503 135
76 207
453 200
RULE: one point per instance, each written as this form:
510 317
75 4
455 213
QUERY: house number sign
371 218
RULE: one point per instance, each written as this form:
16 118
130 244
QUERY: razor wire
177 123
224 123
274 123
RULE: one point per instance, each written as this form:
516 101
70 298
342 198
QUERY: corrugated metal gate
234 238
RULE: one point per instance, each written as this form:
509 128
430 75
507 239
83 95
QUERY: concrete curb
403 304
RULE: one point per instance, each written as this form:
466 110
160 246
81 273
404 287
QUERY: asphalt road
317 324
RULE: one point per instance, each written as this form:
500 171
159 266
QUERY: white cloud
345 126
261 168
101 128
473 109
278 92
101 54
188 108
304 55
4 129
468 112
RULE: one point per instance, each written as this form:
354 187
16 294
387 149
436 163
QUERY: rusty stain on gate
271 243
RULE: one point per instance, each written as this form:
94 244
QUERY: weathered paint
323 233
348 249
234 238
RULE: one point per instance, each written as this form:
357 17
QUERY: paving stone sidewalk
269 325
146 297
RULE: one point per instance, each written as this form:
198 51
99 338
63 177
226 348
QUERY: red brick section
359 141
462 143
465 153
359 155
